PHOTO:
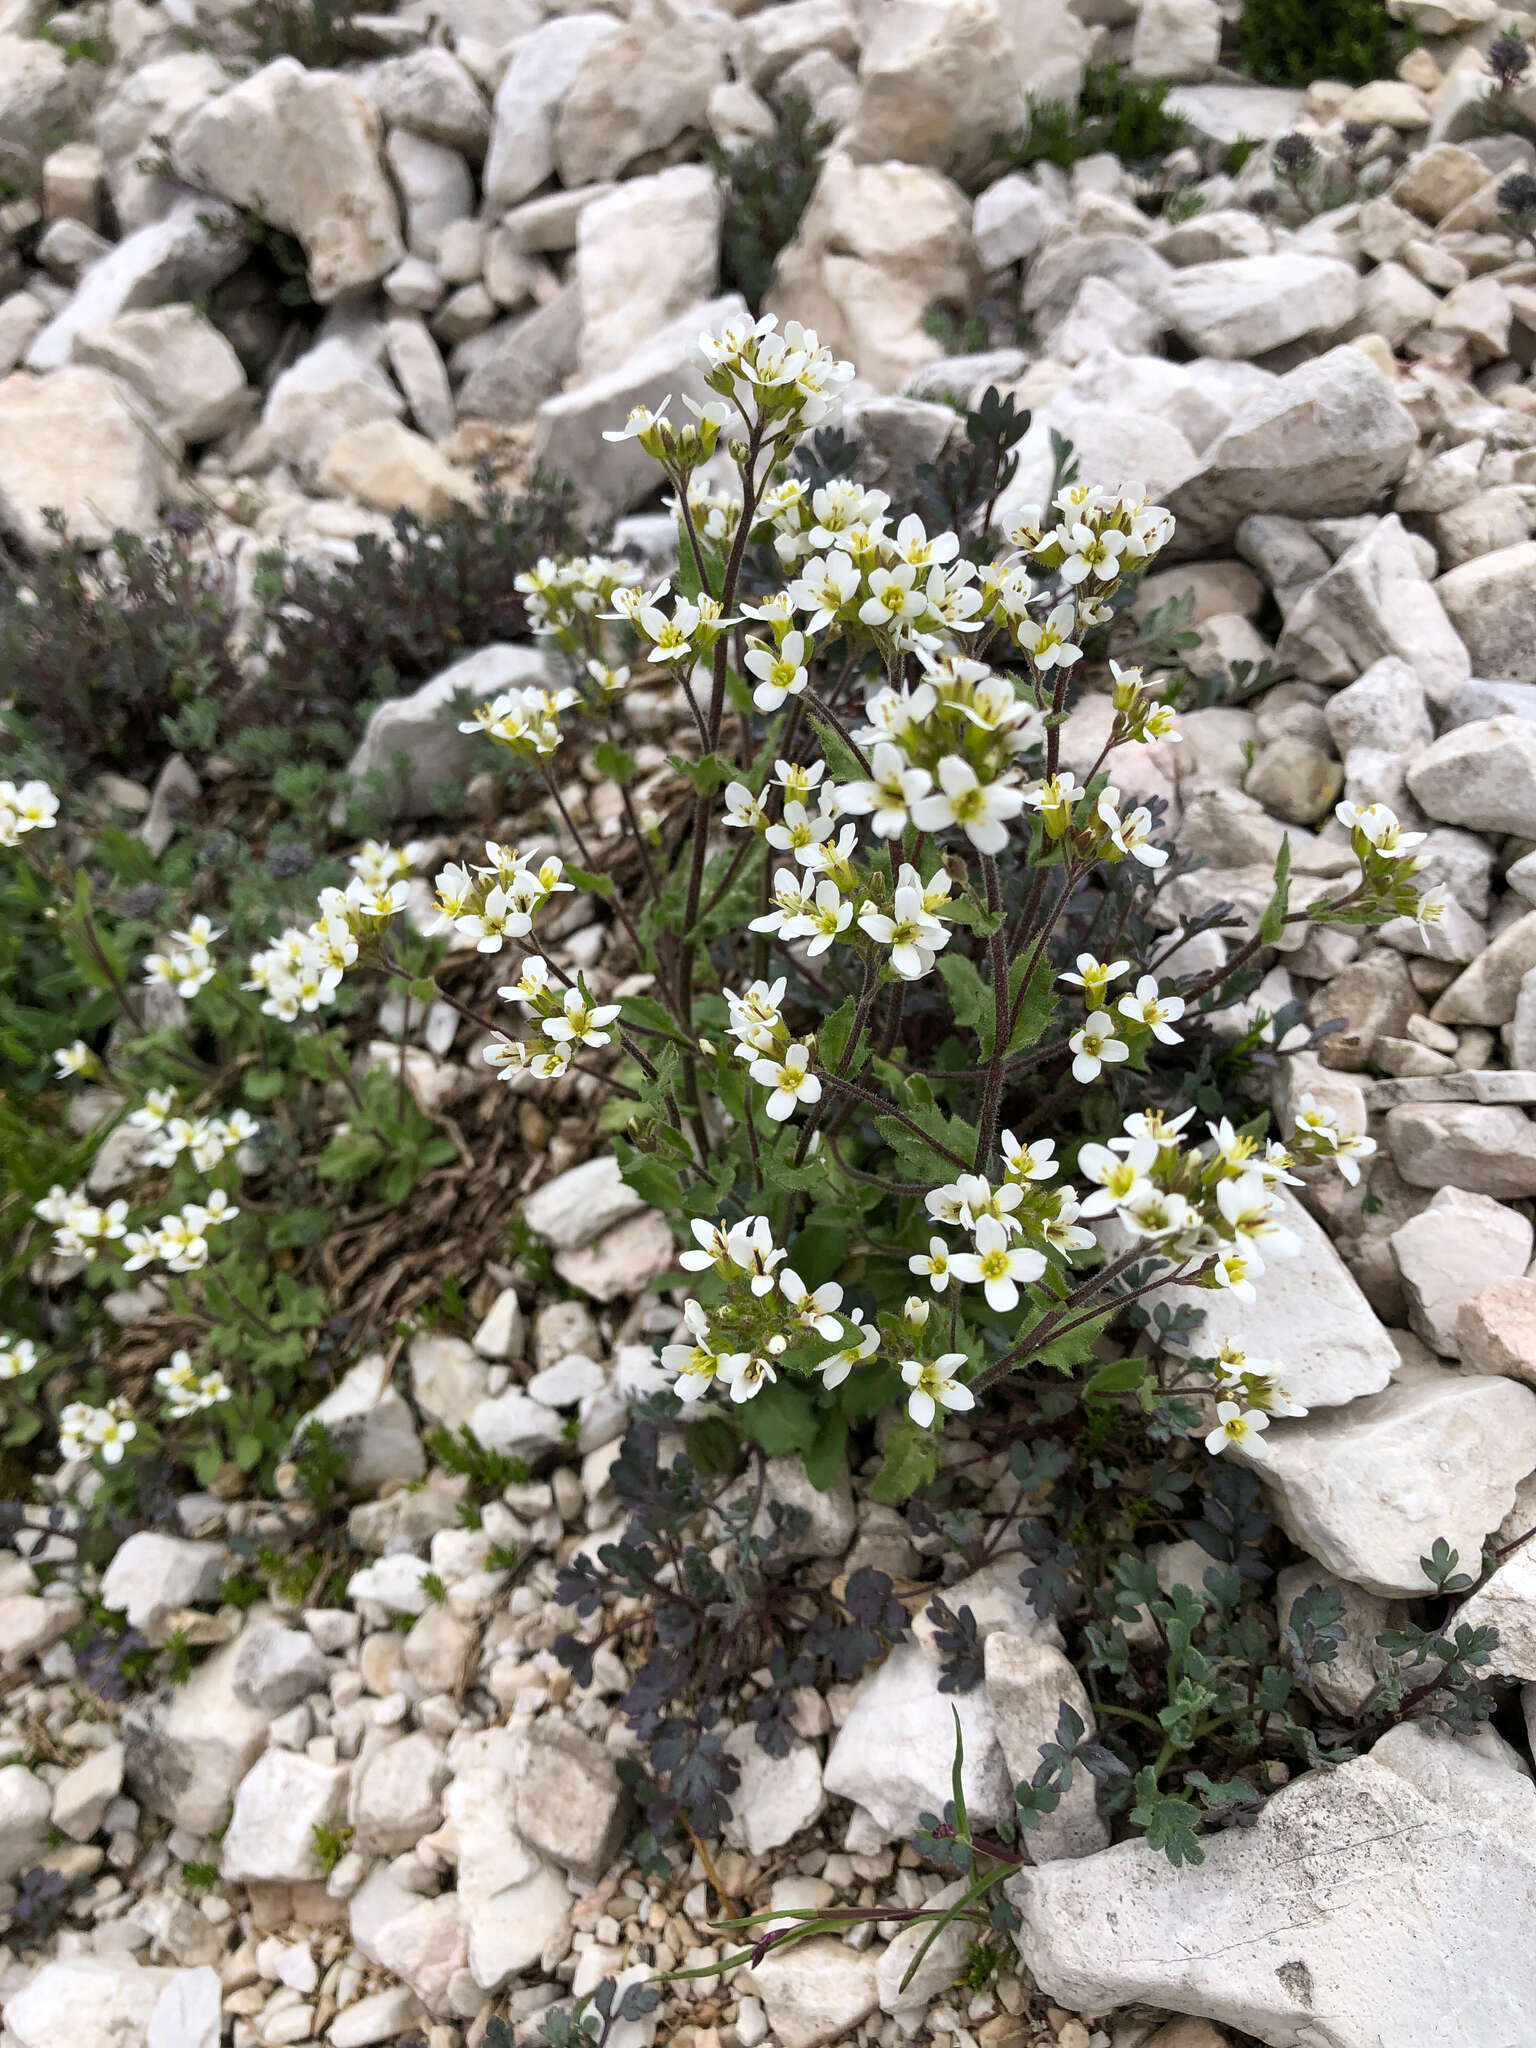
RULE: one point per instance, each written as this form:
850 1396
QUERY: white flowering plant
901 1045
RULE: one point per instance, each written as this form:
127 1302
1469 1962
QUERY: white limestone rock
895 1752
150 1574
1245 305
1324 440
1367 1488
187 1749
1310 1315
1482 775
394 1798
580 1204
644 255
1028 1682
71 441
1486 1147
335 385
615 476
301 148
639 91
1359 1904
1348 1681
1374 602
415 742
1492 603
282 1799
111 2002
1461 1244
533 88
372 1426
196 246
512 1904
26 1806
816 1992
180 365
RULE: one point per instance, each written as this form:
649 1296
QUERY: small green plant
1293 42
434 1589
310 30
1182 206
1117 112
768 186
1517 205
330 1844
488 1472
199 1877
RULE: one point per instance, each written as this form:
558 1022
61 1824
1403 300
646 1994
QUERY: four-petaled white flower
781 671
1157 1013
890 793
980 810
813 1308
932 1264
934 1386
790 1080
996 1266
1238 1429
1096 1046
913 936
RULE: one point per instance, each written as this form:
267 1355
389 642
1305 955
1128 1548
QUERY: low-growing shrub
1291 42
767 186
1117 111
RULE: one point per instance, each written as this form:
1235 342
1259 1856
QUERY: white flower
1061 1230
1157 1013
889 795
995 1267
911 934
865 1343
934 1386
813 1310
1231 1272
578 1022
1116 1175
790 1080
1131 834
743 809
797 832
829 919
781 672
1159 1216
31 808
789 913
745 1374
1238 1428
1033 1161
1096 1046
1093 976
1378 824
18 1355
1251 1211
981 811
826 585
69 1060
893 597
1050 645
934 1264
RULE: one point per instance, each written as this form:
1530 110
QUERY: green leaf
970 997
424 991
713 1446
1038 1006
594 885
248 1451
350 1156
299 1227
613 761
657 1184
781 1418
832 1037
1120 1376
843 764
824 1460
1272 923
911 1460
264 1085
957 1782
707 776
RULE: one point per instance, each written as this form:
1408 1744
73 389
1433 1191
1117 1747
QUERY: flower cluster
186 1391
301 970
526 722
28 807
180 1241
84 1430
767 1317
79 1223
1096 538
206 1140
1113 1029
564 600
775 1060
1388 865
1316 1137
498 902
783 384
188 966
567 1017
